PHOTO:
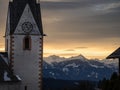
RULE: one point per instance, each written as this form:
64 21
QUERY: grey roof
16 8
115 54
6 74
5 54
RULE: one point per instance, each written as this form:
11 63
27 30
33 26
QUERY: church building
21 63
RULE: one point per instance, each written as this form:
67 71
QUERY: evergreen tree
112 84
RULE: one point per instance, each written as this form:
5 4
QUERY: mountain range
78 68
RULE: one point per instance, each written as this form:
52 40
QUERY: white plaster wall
10 86
7 38
26 62
5 44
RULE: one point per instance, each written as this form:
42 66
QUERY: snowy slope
54 58
110 62
78 68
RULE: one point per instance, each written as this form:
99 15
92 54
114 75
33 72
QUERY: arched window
27 43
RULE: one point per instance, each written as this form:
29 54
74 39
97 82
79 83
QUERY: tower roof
115 54
24 0
16 8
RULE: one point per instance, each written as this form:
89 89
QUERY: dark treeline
84 85
52 84
112 84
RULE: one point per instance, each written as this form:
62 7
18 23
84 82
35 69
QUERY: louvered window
27 43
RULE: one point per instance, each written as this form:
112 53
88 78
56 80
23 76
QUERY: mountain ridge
78 68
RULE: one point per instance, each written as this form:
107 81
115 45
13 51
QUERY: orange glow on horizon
89 53
2 49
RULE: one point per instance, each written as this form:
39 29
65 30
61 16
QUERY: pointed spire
24 0
16 9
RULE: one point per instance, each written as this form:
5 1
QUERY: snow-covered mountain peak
80 57
110 62
78 68
54 58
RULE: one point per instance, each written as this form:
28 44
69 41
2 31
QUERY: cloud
81 47
61 5
73 4
70 50
1 45
69 54
107 8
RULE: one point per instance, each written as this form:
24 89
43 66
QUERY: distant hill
78 68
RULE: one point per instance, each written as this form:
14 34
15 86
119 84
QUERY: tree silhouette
112 84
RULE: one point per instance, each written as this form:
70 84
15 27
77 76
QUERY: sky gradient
73 27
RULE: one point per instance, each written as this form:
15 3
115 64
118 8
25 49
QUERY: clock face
27 27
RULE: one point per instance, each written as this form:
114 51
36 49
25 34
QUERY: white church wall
7 45
27 62
10 86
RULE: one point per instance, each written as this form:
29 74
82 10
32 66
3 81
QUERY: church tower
24 42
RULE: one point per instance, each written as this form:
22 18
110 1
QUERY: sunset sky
73 27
